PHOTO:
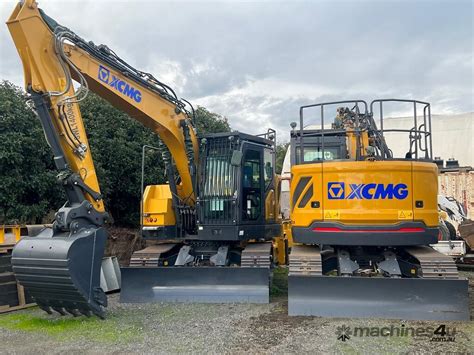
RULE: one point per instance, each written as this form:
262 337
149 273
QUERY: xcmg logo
338 191
118 84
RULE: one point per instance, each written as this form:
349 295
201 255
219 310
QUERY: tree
28 187
116 143
209 122
280 156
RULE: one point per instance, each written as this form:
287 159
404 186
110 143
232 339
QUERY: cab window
268 167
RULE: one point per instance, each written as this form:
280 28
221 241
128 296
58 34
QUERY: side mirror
236 159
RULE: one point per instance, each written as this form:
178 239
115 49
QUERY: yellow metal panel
16 232
270 205
279 250
304 216
425 181
158 206
352 144
281 243
10 234
420 180
286 226
277 190
367 211
417 180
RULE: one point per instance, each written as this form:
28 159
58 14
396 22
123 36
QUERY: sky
256 63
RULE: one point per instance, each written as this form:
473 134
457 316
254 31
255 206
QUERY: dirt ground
231 328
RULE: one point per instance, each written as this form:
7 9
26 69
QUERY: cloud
257 62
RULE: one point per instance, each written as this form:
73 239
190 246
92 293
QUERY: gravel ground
199 328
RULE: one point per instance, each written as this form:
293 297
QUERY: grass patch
66 328
279 285
346 348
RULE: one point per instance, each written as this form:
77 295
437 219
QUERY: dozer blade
391 298
195 284
62 272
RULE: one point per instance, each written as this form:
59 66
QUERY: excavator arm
61 266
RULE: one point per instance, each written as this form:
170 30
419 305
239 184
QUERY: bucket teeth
61 310
47 309
85 312
74 312
62 272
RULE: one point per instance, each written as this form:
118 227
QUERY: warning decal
405 214
332 214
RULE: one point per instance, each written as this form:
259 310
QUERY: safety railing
364 118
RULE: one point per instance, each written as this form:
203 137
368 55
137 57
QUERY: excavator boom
60 267
210 229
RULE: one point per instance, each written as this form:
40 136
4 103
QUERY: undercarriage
206 272
400 283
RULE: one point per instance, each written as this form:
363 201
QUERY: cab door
252 206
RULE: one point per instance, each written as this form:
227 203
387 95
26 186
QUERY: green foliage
280 156
28 188
116 143
110 330
209 122
279 285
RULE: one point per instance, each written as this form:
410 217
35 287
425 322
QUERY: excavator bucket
62 271
378 297
195 284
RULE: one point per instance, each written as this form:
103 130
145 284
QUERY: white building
453 136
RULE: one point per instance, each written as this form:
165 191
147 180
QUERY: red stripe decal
339 230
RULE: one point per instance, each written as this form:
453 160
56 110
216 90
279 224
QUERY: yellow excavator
209 229
363 216
361 219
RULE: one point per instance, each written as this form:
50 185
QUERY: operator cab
237 187
334 147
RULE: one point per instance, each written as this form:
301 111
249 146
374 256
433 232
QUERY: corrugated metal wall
459 185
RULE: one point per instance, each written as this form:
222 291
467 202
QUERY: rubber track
256 255
434 265
305 260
